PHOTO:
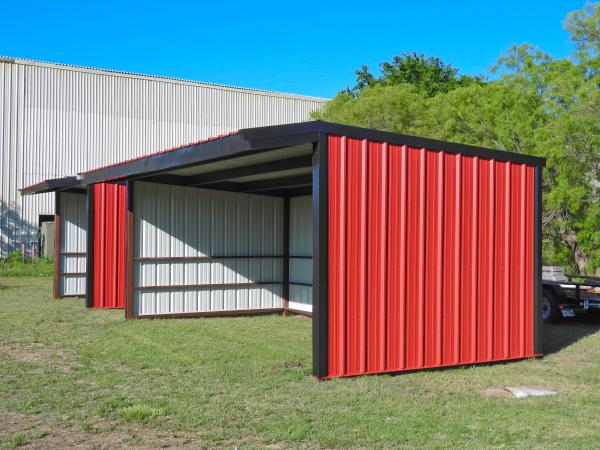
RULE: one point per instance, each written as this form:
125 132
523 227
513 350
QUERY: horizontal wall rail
208 286
200 258
221 313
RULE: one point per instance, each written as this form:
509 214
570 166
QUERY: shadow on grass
568 331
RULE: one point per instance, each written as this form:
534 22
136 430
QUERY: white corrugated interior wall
73 244
301 265
58 120
176 228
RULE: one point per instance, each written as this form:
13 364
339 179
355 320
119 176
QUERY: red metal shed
424 253
431 258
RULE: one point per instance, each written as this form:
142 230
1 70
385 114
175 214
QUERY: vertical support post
286 256
56 285
89 265
537 263
129 253
320 193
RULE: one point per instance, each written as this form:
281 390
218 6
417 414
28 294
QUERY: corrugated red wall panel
110 208
430 258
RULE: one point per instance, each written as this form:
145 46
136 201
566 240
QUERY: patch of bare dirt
301 316
286 365
38 354
40 431
290 364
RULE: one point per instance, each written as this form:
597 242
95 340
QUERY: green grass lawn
73 376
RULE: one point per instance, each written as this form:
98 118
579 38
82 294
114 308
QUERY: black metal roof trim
280 131
52 185
205 151
278 136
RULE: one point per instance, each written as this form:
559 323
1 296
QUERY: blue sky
308 48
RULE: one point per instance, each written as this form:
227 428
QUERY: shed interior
70 244
228 236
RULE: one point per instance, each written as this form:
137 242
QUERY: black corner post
129 252
89 264
286 255
57 246
320 177
537 262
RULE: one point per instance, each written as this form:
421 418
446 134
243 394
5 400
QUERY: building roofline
165 79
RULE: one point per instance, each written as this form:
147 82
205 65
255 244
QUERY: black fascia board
271 133
279 136
52 185
202 152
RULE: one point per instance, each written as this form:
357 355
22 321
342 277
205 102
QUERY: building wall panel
57 120
430 258
301 266
186 240
72 244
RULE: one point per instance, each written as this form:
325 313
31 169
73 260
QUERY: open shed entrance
70 251
230 237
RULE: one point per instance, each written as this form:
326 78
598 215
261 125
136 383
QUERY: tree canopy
533 104
429 75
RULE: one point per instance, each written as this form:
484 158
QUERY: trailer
567 295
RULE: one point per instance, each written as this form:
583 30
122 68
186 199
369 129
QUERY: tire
550 311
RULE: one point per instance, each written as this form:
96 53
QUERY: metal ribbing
362 255
440 261
474 262
383 255
240 232
506 278
109 246
523 263
490 266
422 178
73 244
457 257
59 120
447 249
300 251
403 251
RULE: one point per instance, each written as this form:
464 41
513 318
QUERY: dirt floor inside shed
90 379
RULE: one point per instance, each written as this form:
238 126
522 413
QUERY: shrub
14 266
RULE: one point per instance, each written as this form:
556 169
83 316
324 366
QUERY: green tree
429 75
393 108
584 26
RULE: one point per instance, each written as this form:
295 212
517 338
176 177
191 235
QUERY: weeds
15 266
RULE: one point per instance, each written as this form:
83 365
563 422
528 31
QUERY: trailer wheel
550 310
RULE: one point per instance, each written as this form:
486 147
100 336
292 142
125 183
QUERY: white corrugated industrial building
57 120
